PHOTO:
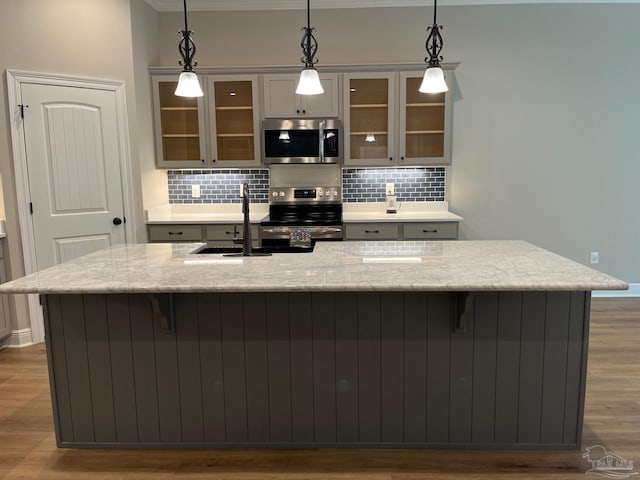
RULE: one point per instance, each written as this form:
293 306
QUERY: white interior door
73 160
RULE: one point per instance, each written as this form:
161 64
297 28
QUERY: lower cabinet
214 234
402 231
5 312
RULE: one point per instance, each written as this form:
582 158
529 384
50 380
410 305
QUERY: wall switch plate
390 189
595 258
195 191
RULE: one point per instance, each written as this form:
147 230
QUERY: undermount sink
205 249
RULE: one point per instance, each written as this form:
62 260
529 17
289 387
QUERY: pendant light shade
370 138
309 83
188 84
433 81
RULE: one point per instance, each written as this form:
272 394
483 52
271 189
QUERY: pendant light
188 84
433 81
309 83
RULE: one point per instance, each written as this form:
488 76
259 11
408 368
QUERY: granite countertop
352 213
332 266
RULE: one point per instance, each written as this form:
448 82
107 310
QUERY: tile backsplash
417 184
412 184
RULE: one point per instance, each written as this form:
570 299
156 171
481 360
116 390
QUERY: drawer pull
372 231
175 233
228 233
435 230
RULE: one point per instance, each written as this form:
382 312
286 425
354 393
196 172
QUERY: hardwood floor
612 419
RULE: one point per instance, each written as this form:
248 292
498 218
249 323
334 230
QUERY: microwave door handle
321 141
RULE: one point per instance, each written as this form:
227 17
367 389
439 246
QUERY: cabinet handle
435 230
304 111
372 231
175 233
391 159
228 233
298 111
202 160
401 158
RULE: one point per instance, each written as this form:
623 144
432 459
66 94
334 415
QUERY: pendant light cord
186 28
435 10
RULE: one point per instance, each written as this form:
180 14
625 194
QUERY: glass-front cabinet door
180 126
234 121
424 122
369 114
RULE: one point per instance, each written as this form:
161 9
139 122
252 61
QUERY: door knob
117 221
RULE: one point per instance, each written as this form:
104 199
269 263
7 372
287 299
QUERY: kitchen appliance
302 140
392 204
315 212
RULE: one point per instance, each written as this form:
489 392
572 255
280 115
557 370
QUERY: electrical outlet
390 189
595 258
195 191
241 189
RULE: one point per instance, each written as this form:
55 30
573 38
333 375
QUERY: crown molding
228 5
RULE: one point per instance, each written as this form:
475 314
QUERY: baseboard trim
19 339
634 291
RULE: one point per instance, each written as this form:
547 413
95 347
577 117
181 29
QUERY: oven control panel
305 194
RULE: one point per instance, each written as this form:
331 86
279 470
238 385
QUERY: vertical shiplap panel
392 317
461 386
58 368
484 367
233 361
369 397
167 381
189 374
255 334
100 368
301 351
555 367
277 306
508 367
438 365
211 373
324 367
346 308
144 368
531 364
415 367
122 365
77 368
575 378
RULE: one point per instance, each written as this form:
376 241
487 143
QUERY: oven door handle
282 230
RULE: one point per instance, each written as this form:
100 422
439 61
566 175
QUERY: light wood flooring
612 419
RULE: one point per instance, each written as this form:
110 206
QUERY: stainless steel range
315 209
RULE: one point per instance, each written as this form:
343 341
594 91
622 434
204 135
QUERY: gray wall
544 141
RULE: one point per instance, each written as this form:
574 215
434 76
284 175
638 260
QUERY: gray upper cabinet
220 129
389 122
281 100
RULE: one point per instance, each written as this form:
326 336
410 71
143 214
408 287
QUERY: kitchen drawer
175 233
371 231
429 230
226 231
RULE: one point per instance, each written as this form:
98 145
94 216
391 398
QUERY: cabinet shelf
242 107
234 135
370 105
370 133
179 109
180 135
440 104
422 132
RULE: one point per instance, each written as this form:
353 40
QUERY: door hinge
31 208
22 107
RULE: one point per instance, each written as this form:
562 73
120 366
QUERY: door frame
15 80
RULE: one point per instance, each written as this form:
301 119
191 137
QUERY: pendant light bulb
309 83
433 81
370 138
188 85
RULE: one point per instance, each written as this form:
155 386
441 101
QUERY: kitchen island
468 344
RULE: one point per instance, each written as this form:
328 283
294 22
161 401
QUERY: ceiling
218 5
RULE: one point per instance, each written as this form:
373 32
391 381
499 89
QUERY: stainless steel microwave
302 140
